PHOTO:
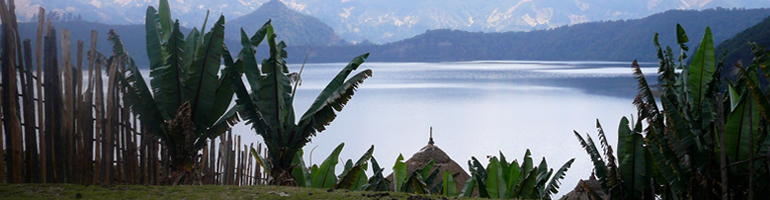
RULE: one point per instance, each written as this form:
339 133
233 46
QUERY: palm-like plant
188 100
706 140
269 105
509 180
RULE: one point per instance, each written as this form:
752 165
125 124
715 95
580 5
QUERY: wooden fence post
80 116
30 138
40 111
53 113
86 116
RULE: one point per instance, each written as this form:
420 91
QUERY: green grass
73 191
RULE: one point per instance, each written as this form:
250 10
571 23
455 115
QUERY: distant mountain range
621 40
387 21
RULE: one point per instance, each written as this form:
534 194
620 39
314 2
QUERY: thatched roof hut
442 162
587 190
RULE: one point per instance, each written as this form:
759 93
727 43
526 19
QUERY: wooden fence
60 125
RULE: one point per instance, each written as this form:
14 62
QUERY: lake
475 108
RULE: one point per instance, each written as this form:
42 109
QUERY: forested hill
738 47
622 40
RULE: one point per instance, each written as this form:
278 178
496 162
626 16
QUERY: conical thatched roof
442 162
587 190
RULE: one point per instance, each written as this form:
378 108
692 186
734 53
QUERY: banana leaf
480 176
528 185
351 178
632 167
415 184
300 173
325 177
449 187
377 182
333 98
469 186
701 71
495 183
191 44
425 171
251 70
164 15
166 79
203 81
553 185
399 173
740 125
600 167
513 179
274 91
261 161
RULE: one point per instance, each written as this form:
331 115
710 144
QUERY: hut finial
430 142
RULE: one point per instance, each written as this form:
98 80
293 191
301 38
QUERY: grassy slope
70 191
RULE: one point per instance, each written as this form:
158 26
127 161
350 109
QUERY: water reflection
475 108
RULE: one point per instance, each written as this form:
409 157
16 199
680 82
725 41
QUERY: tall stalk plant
187 101
269 108
704 138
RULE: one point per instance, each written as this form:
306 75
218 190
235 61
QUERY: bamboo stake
112 126
251 166
134 155
66 73
80 117
87 112
40 113
12 124
237 158
258 169
125 130
142 159
31 154
53 96
155 162
100 124
212 162
2 135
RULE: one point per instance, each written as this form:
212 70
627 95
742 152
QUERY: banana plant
268 107
628 176
377 182
187 101
504 180
352 178
419 181
702 136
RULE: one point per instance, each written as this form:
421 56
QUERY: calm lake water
475 109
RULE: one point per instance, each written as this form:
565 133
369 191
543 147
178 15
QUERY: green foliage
187 102
504 180
738 48
399 173
702 143
352 178
449 187
324 177
268 107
